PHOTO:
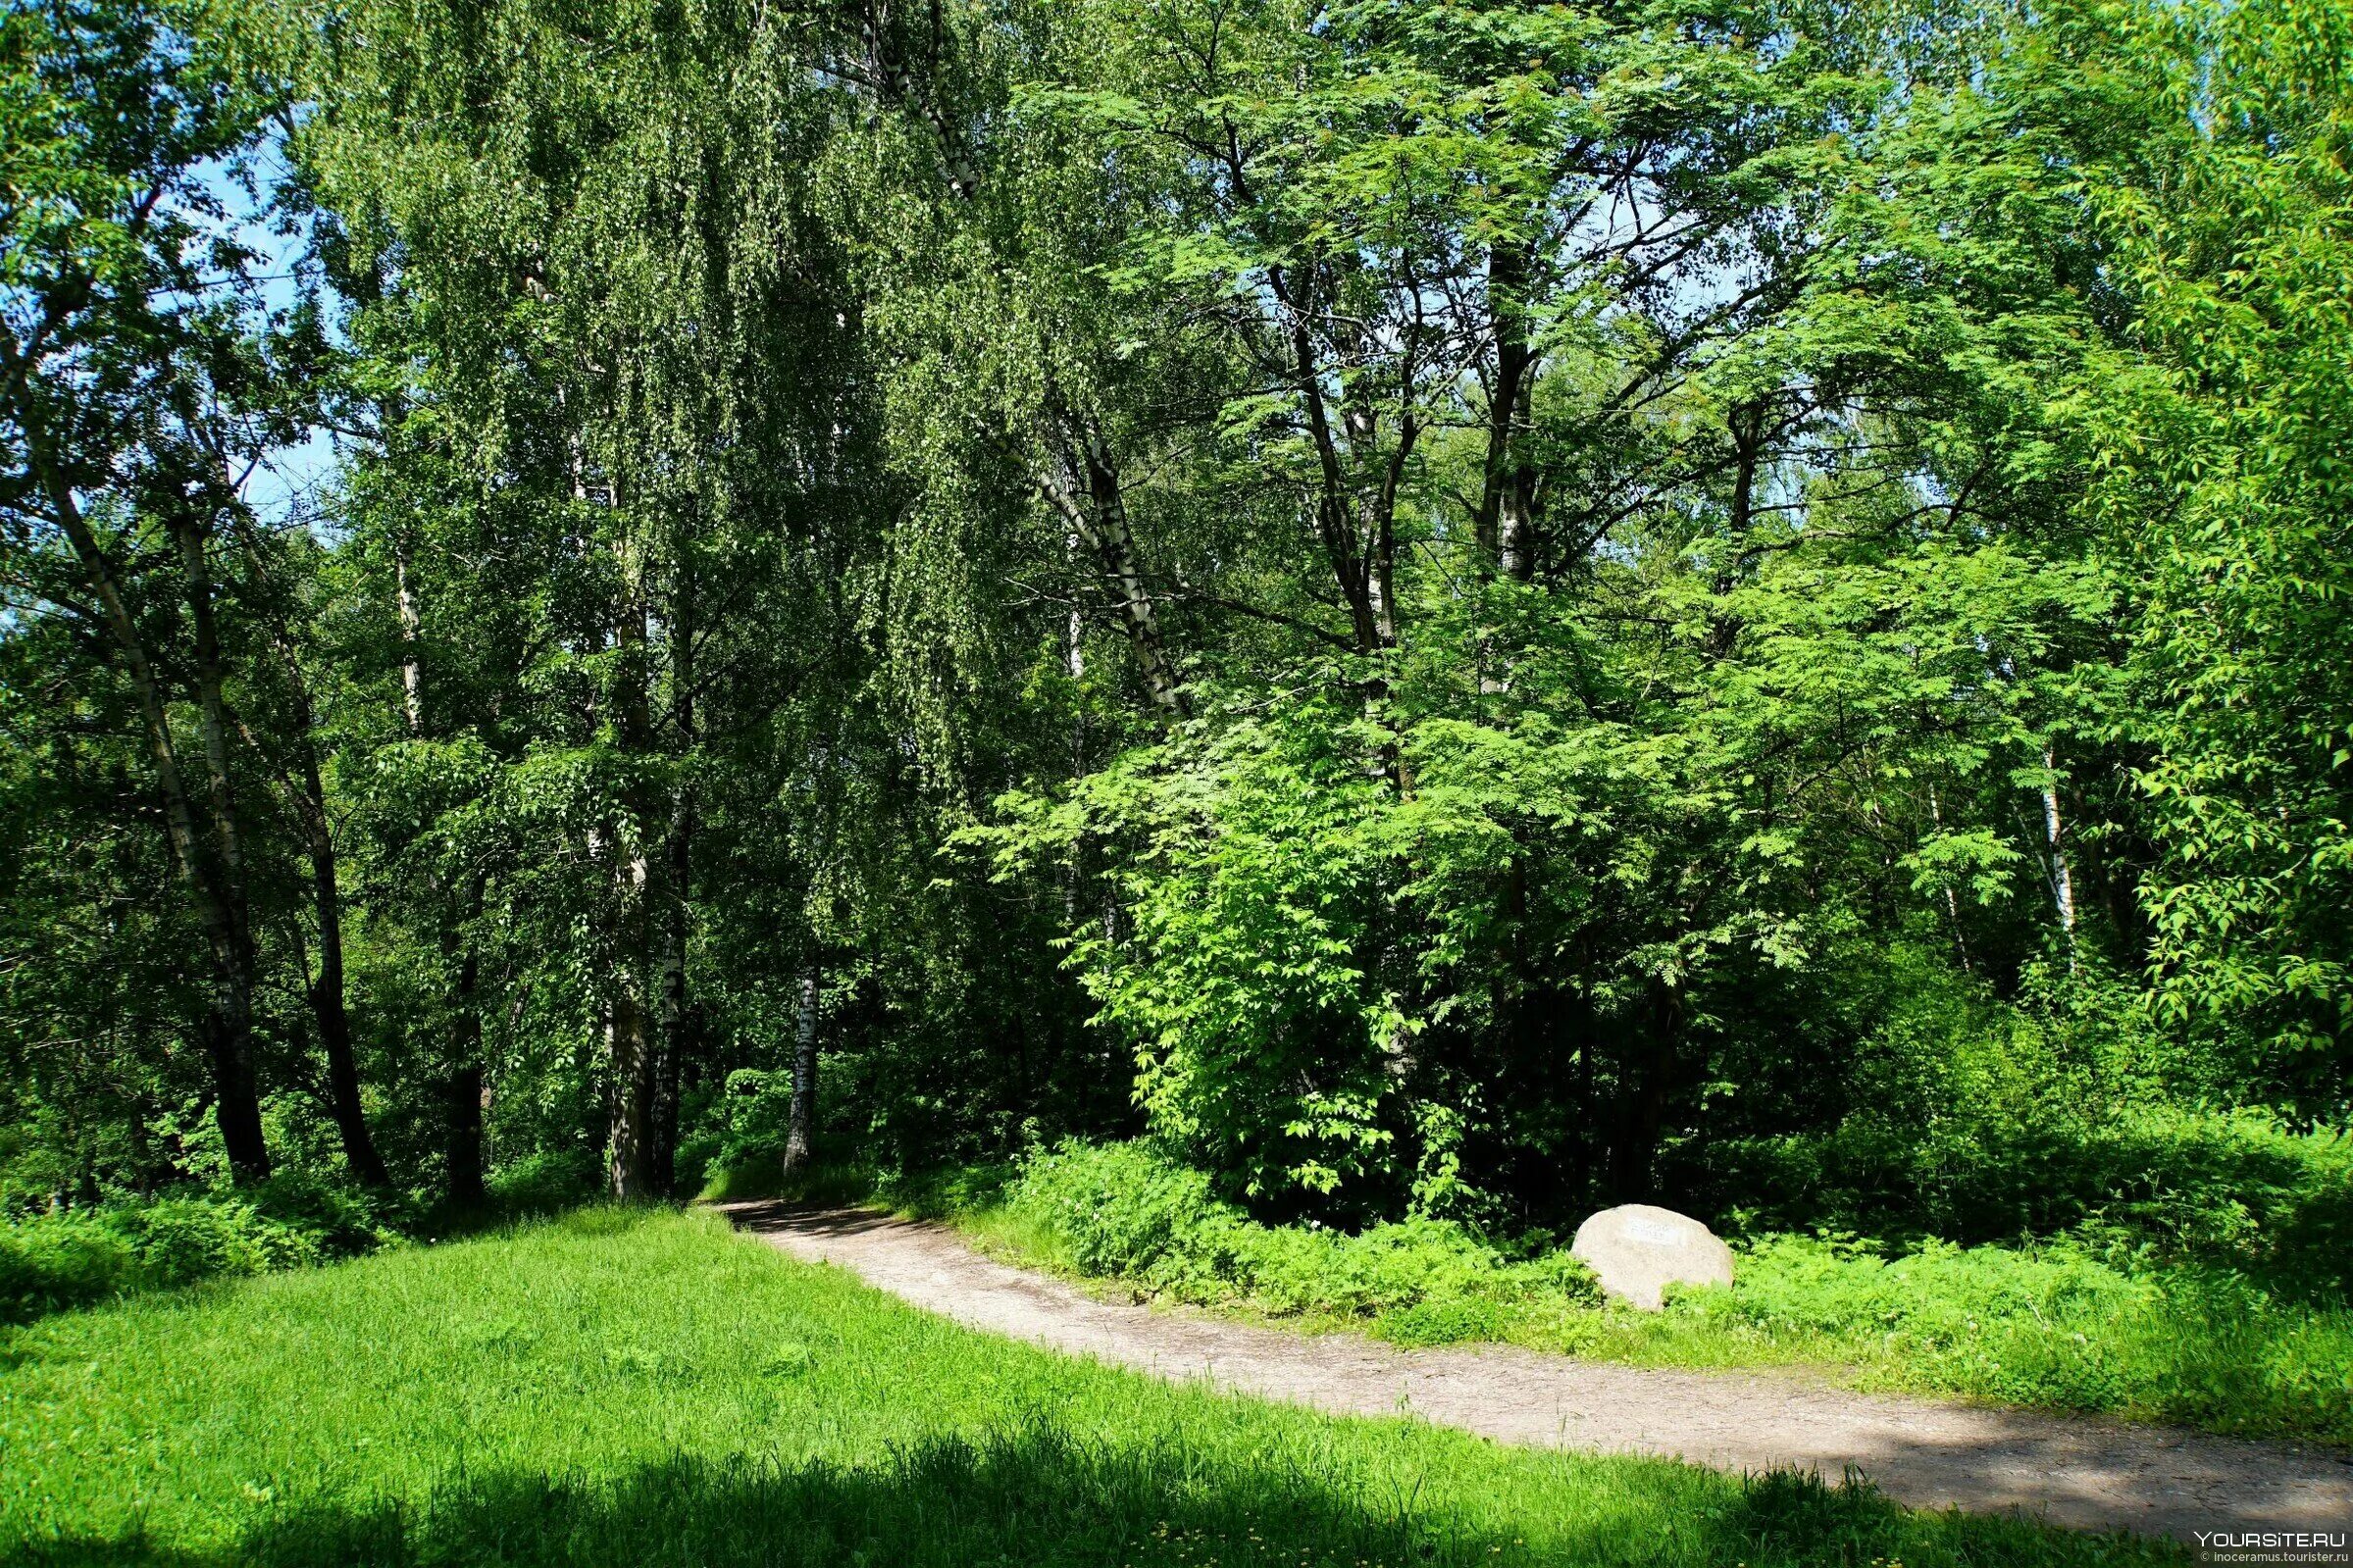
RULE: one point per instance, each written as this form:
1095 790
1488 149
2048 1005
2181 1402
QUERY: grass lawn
642 1387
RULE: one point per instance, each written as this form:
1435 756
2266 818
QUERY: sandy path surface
2085 1474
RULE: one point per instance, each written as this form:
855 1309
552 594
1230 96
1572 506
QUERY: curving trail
2080 1473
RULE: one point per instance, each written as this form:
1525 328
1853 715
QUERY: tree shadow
1035 1498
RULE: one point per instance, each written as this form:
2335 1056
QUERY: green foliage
1249 888
545 1180
2236 1191
1971 1119
1123 1211
2104 1320
626 1386
2060 1325
71 1257
61 1260
2222 470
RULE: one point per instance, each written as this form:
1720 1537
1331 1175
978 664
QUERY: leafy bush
1124 1211
180 1241
53 1260
59 1260
2233 1189
544 1182
343 1222
1971 1119
2060 1325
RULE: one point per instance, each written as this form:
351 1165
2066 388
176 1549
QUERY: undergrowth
55 1258
2097 1324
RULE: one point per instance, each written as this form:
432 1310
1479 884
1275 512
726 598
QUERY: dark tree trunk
462 1156
631 1034
798 1137
465 1077
1085 491
240 1106
334 1031
326 991
1748 431
631 1129
674 1013
677 1015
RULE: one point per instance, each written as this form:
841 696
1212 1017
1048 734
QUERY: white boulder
1637 1251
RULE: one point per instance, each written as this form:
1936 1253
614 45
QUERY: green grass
2058 1326
641 1388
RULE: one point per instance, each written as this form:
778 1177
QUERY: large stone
1637 1251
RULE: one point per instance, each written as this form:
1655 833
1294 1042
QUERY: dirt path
2085 1474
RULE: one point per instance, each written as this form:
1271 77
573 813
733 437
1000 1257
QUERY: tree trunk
327 994
634 1049
1936 816
675 1042
334 1025
675 1012
1088 497
676 1015
412 628
1507 519
1747 426
233 1025
798 1139
2062 875
630 1133
229 1029
465 1080
462 1145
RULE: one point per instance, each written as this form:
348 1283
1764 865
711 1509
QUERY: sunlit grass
641 1388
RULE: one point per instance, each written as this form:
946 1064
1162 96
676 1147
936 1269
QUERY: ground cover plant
630 1387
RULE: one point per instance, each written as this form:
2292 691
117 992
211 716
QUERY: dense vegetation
624 1388
2076 1322
1452 610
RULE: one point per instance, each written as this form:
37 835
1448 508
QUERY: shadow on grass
1037 1498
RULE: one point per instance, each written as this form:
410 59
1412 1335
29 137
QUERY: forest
1363 618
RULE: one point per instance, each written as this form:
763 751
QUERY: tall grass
639 1387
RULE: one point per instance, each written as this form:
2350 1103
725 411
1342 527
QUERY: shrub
1125 1211
180 1241
2060 1324
545 1180
1117 1207
2235 1189
342 1222
53 1260
2097 1322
